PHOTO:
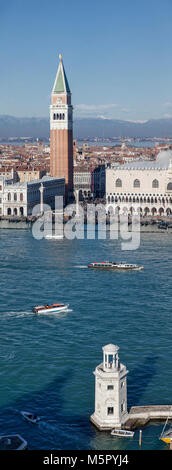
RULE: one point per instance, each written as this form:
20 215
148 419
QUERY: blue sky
116 53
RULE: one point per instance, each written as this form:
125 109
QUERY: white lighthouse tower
110 391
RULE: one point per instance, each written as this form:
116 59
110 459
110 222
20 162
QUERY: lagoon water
46 362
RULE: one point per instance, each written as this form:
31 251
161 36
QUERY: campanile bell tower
61 130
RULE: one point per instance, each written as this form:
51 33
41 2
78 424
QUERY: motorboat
54 237
12 442
32 418
51 308
122 433
114 265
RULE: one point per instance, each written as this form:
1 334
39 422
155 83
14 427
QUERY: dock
140 416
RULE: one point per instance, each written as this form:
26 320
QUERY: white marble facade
19 199
142 186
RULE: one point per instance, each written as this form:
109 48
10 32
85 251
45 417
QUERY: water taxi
113 265
122 433
52 308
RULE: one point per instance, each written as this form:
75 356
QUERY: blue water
46 362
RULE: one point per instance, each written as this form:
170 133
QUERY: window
15 196
110 410
169 187
155 184
136 184
9 196
110 387
118 183
0 187
21 196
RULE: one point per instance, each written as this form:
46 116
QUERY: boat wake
18 314
80 267
8 356
28 313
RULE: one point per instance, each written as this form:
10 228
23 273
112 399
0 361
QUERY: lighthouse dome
110 348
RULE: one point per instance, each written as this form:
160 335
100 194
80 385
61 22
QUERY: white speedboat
113 265
51 308
122 433
32 418
54 237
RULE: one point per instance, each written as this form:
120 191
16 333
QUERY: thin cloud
100 109
167 116
95 107
168 104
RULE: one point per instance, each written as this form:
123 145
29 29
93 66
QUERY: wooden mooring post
140 438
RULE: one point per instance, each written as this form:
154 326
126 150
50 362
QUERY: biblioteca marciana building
144 187
19 199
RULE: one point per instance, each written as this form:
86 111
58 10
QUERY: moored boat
167 436
51 308
113 265
122 433
12 442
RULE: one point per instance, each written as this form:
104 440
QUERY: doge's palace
145 187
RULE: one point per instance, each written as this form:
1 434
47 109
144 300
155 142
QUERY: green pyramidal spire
61 84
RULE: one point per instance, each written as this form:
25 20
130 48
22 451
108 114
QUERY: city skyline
117 58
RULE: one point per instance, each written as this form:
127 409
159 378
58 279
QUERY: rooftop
61 84
163 162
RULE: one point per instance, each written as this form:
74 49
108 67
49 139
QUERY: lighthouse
61 130
110 391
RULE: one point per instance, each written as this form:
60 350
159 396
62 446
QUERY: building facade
144 186
90 181
28 174
61 131
99 181
19 199
83 181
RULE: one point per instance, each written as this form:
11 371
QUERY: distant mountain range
11 126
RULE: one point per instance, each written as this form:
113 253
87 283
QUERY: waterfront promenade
140 416
147 224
